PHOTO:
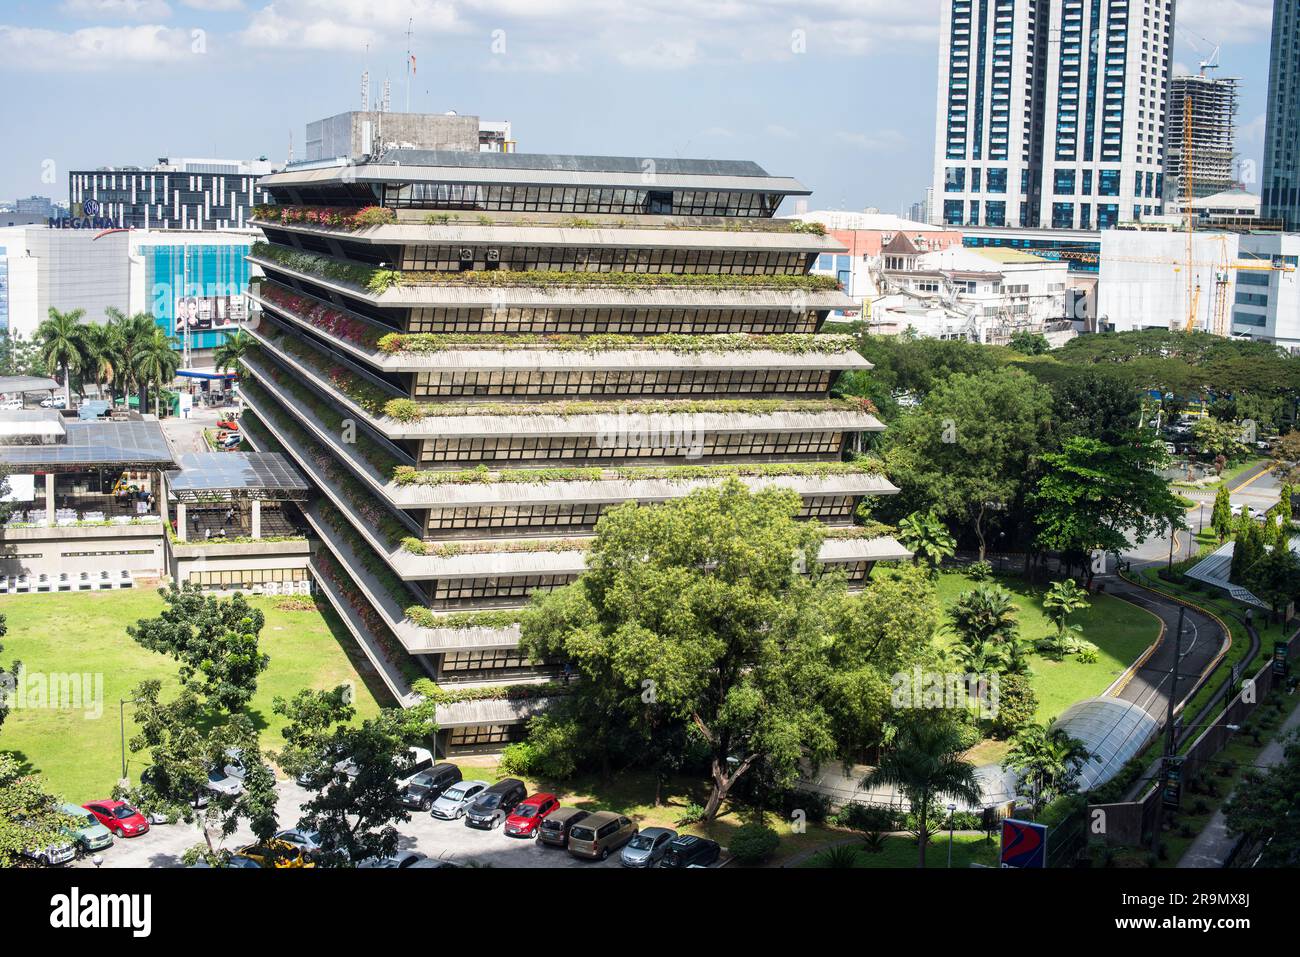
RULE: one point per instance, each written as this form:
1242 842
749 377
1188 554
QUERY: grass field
1120 631
79 756
899 850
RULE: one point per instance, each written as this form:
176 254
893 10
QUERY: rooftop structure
359 134
516 343
1213 110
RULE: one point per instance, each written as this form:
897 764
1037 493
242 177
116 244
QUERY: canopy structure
231 476
1112 730
10 384
44 442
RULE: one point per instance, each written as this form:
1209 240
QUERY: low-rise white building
984 295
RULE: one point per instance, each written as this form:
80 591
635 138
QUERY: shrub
980 571
867 817
1017 705
754 843
840 857
691 814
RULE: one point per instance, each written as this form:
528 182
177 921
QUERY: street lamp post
121 720
952 811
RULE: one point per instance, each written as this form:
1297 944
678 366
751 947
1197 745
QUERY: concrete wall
49 551
343 135
184 560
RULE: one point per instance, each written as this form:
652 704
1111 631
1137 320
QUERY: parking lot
449 840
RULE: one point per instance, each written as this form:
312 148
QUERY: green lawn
900 850
80 756
1120 631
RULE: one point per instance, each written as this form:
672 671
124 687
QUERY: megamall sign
84 215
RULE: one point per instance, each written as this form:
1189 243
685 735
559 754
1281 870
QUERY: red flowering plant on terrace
330 217
323 317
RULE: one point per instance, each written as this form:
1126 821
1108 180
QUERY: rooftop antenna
388 91
365 84
410 63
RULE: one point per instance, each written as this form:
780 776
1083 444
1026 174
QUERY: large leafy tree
1286 458
30 818
355 815
1264 810
1098 496
1221 514
699 608
185 738
60 337
1215 437
969 450
9 678
1048 759
214 639
925 764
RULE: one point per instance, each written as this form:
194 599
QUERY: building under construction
1214 115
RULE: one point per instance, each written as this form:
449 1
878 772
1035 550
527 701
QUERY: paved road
1202 639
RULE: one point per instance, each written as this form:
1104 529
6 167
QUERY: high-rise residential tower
1280 192
474 355
1051 112
1213 102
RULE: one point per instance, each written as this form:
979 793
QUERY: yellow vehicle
276 853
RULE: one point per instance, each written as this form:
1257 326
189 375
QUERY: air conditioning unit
467 255
494 255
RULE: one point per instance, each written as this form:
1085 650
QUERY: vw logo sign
90 207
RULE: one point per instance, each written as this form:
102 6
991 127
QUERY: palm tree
157 364
132 333
99 356
229 353
924 764
60 339
986 614
927 537
1048 758
1062 599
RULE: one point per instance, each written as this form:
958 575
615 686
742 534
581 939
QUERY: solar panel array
92 444
236 471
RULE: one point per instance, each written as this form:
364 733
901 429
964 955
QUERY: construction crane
1187 201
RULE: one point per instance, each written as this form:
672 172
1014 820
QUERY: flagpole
409 23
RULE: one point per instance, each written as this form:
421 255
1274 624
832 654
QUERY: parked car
600 835
429 863
554 829
277 853
414 762
529 813
1239 508
494 804
12 405
53 402
53 855
397 861
427 786
453 801
87 833
309 841
647 847
228 423
690 851
119 817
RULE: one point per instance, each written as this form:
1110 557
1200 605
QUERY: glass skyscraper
1280 193
1051 112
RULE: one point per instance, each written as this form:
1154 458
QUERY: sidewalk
1213 845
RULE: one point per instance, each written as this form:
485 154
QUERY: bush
815 808
841 857
980 571
754 843
867 817
691 814
1017 704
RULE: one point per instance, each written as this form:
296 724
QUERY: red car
119 817
528 813
230 424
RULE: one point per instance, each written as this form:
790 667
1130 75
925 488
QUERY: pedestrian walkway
1213 845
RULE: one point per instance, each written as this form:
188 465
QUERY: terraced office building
474 355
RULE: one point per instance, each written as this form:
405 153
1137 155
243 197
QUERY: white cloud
215 6
117 9
1253 130
268 29
778 131
93 48
1203 23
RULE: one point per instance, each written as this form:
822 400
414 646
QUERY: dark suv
688 849
554 829
427 786
494 804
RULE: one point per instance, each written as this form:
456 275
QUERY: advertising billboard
202 313
1024 844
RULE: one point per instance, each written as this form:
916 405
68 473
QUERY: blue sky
838 93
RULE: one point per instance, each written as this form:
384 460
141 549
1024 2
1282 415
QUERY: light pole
952 810
121 721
